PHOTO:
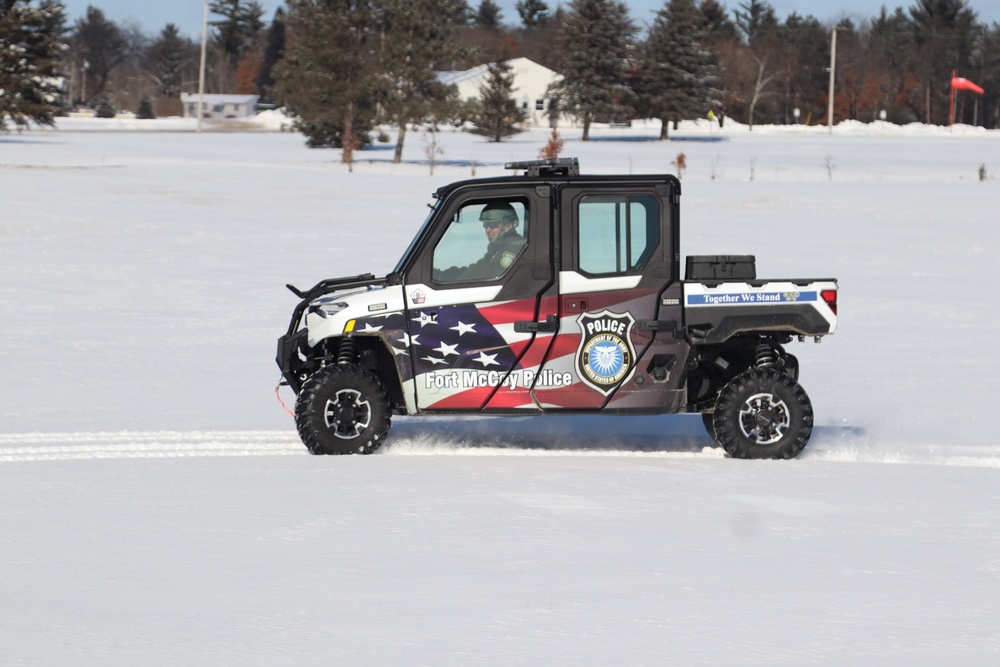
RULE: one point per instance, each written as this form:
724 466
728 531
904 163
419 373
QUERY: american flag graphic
463 354
469 356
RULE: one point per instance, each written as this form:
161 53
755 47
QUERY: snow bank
277 121
265 121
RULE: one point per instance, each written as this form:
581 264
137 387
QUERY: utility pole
833 67
201 74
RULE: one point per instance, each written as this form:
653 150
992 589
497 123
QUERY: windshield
416 237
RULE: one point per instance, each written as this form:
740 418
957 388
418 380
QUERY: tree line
345 67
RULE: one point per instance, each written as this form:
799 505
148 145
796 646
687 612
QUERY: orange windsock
958 83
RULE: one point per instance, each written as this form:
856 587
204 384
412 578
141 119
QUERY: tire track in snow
145 445
20 447
958 456
27 447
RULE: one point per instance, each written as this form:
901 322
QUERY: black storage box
720 267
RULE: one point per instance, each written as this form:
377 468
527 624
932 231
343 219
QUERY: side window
482 241
617 233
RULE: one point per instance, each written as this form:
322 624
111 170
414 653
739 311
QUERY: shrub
554 147
145 109
680 164
106 108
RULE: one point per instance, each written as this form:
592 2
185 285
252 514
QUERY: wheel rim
348 414
764 419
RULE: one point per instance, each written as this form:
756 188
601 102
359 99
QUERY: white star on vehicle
433 360
444 350
369 327
464 328
409 340
487 359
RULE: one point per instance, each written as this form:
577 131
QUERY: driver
500 223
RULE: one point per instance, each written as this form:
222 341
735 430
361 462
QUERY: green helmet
499 212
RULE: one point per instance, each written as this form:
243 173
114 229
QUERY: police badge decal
605 357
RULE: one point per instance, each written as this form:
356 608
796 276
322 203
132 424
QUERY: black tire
763 414
342 409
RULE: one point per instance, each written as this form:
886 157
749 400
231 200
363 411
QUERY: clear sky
153 15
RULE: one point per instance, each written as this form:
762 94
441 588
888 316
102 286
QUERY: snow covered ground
157 508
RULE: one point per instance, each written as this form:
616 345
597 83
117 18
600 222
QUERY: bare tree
759 88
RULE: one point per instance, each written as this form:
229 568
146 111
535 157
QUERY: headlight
325 308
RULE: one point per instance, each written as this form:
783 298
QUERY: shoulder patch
507 259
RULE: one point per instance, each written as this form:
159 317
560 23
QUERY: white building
220 106
530 82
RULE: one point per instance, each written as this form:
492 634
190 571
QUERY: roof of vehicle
555 170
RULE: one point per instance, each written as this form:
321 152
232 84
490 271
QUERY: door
618 314
480 301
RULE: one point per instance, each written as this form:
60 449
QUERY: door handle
656 325
425 317
550 325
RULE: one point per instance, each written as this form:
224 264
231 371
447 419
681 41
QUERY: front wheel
763 414
342 409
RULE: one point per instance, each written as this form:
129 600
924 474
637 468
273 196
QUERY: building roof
221 99
457 77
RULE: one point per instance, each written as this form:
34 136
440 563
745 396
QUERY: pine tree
533 13
99 42
499 115
757 21
594 45
489 15
105 107
240 23
272 53
170 59
418 34
145 109
715 21
329 71
721 35
680 71
30 44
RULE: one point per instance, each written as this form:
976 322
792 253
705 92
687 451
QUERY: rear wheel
342 409
763 414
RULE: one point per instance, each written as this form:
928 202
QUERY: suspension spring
348 352
765 356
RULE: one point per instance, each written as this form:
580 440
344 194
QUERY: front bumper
290 359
